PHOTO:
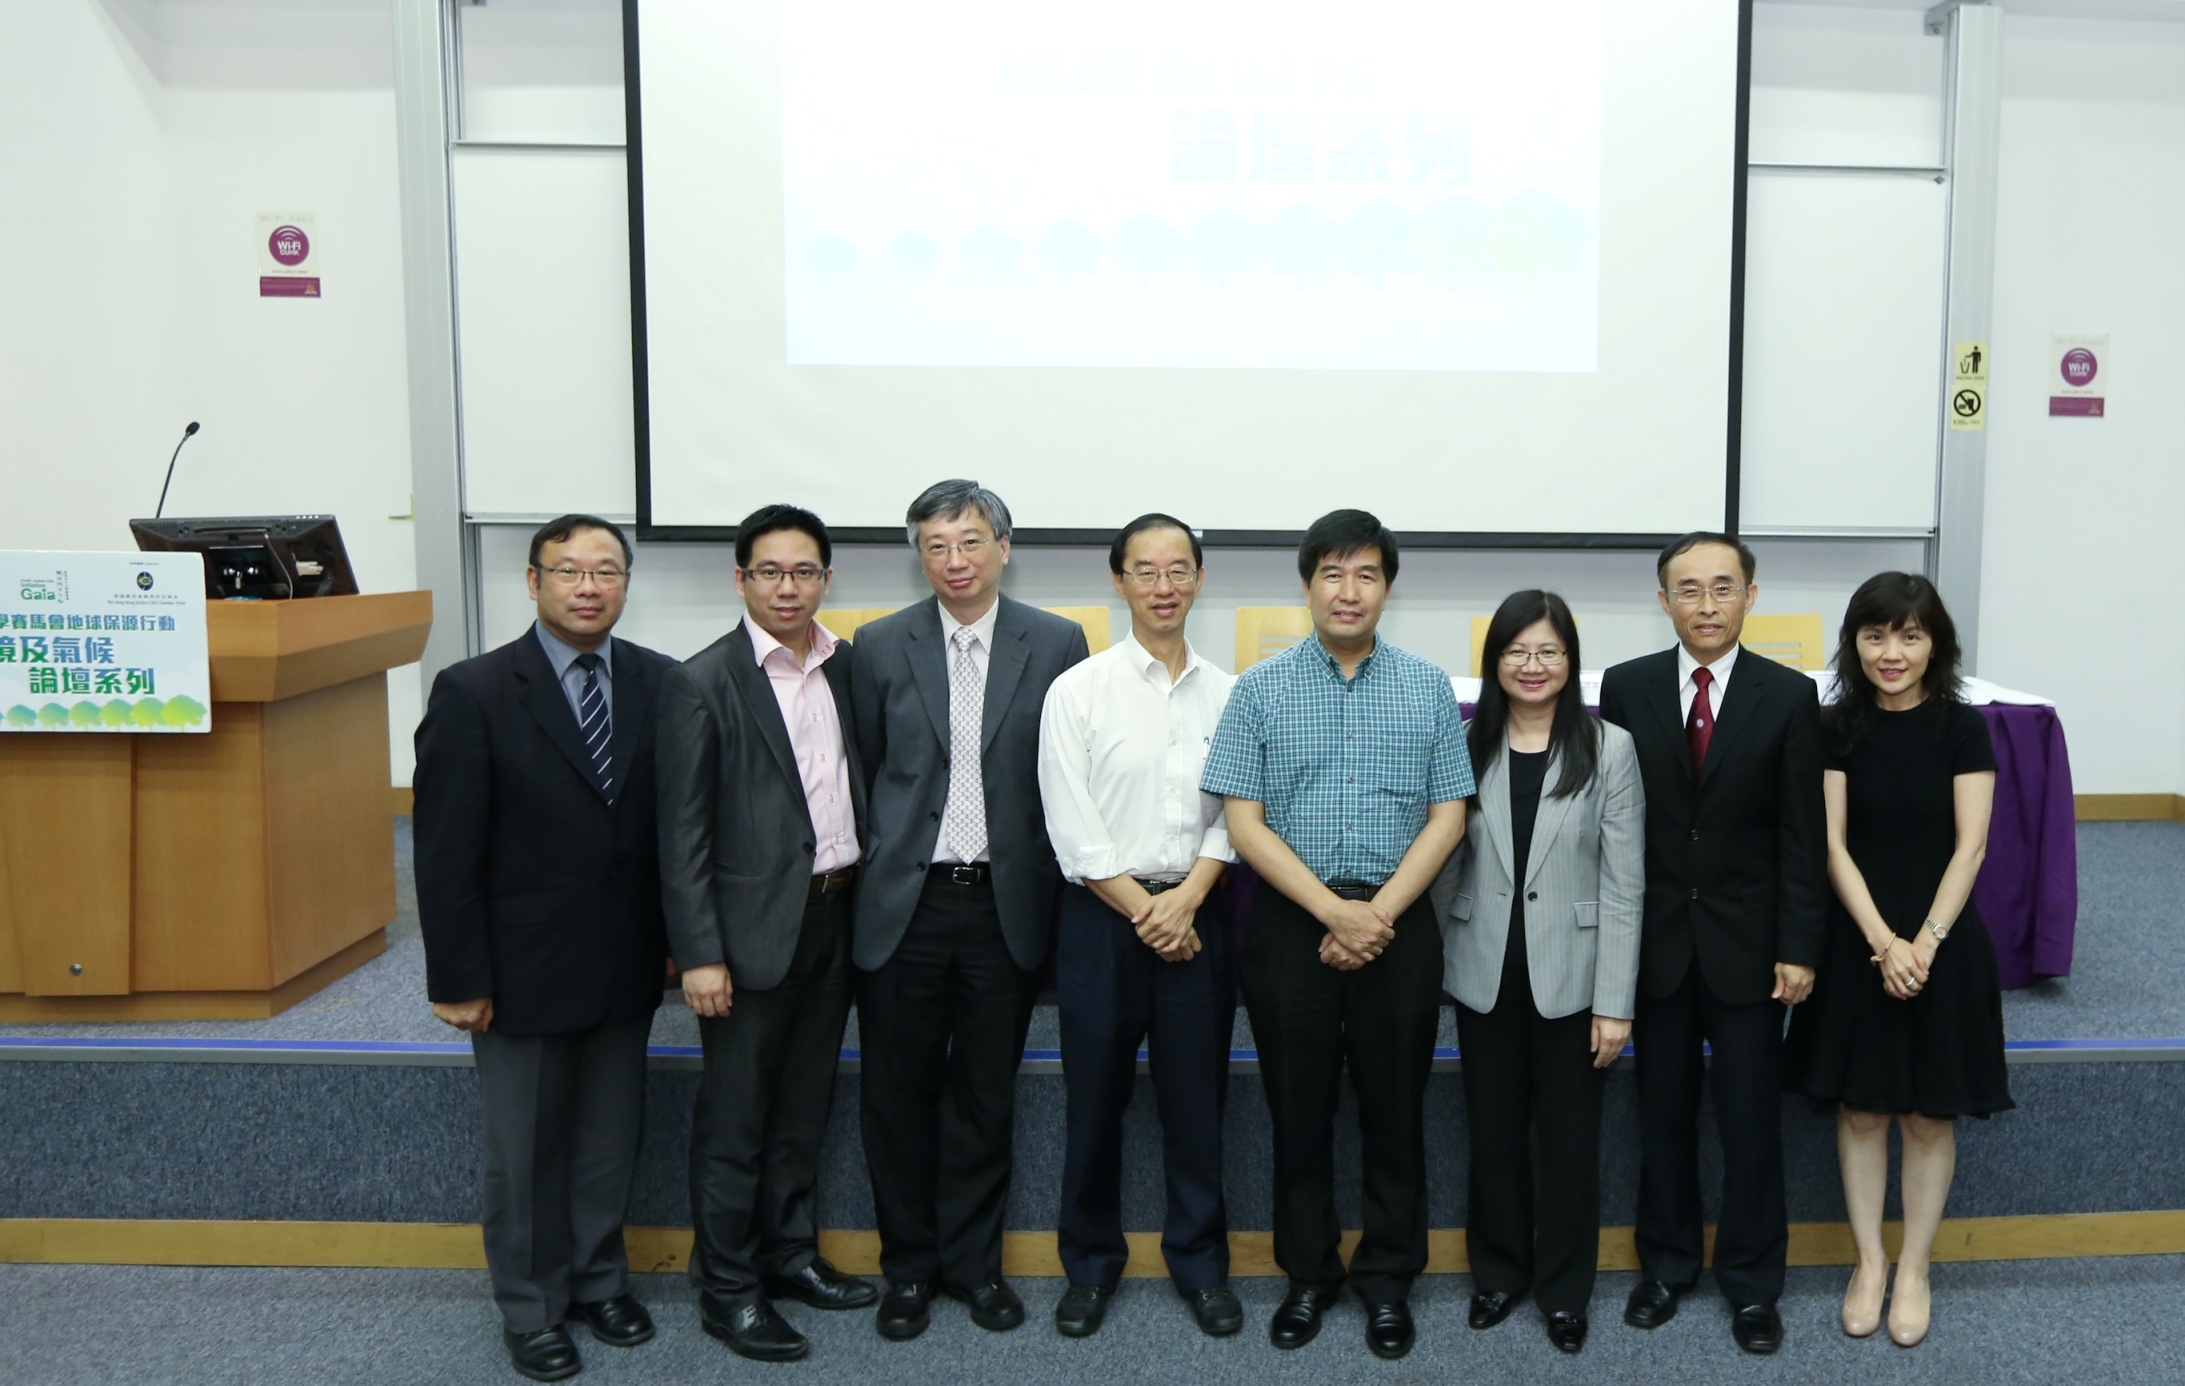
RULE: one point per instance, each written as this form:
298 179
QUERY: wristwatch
1937 930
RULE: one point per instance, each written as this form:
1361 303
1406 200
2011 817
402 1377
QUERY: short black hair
1152 520
560 531
1343 533
1679 547
772 519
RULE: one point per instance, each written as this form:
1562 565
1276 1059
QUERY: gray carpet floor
1998 1323
2124 983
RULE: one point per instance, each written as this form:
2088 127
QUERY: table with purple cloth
2028 891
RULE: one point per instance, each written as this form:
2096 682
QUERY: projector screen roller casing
1474 270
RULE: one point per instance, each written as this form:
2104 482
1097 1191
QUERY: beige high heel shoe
1863 1313
1908 1321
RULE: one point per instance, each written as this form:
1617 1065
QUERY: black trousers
1744 1078
1310 1020
561 1116
762 1107
1113 992
941 1026
1526 1076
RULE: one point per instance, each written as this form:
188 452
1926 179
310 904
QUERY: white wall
143 139
142 136
2084 570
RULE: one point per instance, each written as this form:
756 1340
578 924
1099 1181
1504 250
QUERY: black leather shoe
823 1287
903 1309
1297 1319
1567 1330
994 1306
1216 1309
1081 1310
1758 1329
1490 1307
1388 1330
1651 1305
548 1355
618 1322
757 1332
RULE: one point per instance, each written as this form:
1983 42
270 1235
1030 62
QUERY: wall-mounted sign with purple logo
288 255
2081 379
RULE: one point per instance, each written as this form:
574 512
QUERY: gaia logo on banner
2079 379
288 255
103 642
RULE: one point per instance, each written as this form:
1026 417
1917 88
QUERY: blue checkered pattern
1346 768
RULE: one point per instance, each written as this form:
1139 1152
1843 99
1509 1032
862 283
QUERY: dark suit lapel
1004 667
928 654
757 691
1662 695
542 697
1745 693
1549 821
633 695
838 682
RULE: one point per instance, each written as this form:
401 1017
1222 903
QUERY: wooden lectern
223 876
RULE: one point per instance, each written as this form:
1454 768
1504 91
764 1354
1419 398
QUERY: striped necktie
595 726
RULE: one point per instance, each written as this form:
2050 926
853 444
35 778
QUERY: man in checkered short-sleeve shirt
1344 767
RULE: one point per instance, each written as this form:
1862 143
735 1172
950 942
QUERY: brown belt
834 881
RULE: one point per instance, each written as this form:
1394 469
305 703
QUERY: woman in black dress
1907 1017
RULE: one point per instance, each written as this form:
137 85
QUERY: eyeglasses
1177 577
1689 593
803 575
573 577
1517 658
938 552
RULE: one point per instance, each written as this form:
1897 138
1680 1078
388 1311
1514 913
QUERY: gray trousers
561 1119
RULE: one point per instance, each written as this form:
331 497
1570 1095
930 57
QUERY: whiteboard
1844 281
1844 285
542 288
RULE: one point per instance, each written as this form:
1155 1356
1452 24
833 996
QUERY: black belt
1352 890
834 881
973 873
1156 887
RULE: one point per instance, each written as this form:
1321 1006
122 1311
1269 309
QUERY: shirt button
1695 834
1350 779
1695 892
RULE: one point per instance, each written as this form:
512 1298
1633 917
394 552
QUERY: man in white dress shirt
1139 955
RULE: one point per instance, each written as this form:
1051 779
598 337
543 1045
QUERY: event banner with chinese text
104 642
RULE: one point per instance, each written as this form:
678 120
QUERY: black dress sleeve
1971 749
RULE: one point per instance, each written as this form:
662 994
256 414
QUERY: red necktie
1700 726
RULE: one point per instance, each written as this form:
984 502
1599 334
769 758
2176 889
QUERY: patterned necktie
1699 728
966 825
595 726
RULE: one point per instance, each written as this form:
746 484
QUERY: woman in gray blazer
1540 911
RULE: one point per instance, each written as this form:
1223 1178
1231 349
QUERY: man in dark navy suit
538 889
1730 750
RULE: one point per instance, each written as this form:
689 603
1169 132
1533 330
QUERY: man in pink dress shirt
761 801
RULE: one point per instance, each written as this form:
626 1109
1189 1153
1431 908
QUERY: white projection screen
1469 264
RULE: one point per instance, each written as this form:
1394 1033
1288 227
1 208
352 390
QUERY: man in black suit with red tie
1736 896
538 892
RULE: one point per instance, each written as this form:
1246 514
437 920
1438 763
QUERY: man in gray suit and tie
761 800
956 908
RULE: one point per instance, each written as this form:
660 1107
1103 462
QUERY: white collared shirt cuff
1094 863
1216 845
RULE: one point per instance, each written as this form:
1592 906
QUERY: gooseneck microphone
187 434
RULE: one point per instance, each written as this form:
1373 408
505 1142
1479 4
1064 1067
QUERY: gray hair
946 500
